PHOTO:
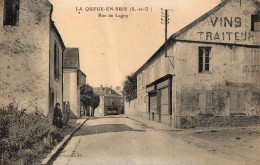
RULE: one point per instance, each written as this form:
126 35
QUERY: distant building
110 101
31 51
212 68
73 79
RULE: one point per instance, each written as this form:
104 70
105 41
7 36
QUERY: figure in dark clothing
92 111
57 117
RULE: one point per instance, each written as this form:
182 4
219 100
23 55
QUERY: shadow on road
104 128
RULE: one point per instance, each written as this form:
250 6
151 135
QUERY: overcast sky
111 48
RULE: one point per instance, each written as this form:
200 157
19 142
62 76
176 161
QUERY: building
212 68
31 51
110 101
73 79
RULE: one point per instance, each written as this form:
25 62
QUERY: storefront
160 100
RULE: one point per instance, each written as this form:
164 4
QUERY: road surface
122 141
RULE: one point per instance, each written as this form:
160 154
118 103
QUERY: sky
113 47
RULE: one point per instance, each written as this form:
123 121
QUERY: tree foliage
130 87
95 101
88 97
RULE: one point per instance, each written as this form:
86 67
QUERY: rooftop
105 91
71 58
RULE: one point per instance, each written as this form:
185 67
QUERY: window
255 22
204 59
252 62
237 102
56 61
205 102
11 12
78 78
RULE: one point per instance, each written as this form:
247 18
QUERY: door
152 105
164 101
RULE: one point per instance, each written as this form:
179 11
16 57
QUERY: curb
162 127
51 156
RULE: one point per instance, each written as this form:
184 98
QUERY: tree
86 93
130 87
95 101
89 98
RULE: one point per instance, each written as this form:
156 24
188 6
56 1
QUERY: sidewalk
164 127
68 131
153 124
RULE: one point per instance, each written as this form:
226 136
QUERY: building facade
110 101
212 68
73 79
31 51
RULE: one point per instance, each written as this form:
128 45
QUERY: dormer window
255 22
11 12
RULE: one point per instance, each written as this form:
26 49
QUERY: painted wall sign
231 30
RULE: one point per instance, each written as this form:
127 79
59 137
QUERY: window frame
204 53
255 18
56 61
14 9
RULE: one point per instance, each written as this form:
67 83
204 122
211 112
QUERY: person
57 116
92 111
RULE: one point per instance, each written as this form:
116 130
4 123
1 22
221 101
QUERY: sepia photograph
129 82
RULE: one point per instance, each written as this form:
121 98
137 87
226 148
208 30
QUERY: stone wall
24 56
214 92
56 83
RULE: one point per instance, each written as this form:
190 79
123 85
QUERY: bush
25 137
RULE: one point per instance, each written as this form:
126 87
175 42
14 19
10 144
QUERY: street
120 141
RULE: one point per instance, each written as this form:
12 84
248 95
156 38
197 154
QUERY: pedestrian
57 116
92 111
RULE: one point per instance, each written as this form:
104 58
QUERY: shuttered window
56 60
255 60
165 101
205 102
237 102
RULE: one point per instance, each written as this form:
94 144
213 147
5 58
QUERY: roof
82 73
204 16
172 39
58 34
71 58
105 91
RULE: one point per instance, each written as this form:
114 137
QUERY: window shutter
237 102
233 101
209 101
241 100
200 59
202 102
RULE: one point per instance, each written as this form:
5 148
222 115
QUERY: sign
227 29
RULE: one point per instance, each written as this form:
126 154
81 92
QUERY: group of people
61 118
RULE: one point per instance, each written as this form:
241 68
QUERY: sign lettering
227 24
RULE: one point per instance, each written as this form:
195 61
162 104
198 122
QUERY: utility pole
165 20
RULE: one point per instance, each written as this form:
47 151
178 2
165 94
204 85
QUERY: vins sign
226 30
